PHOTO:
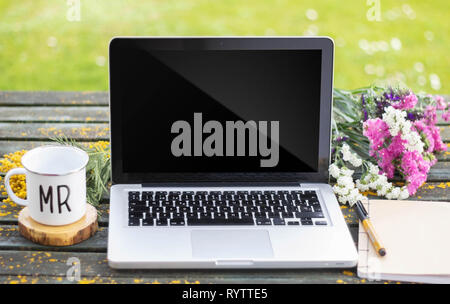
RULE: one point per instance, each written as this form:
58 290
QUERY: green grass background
41 50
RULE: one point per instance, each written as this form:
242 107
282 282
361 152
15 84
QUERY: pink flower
446 115
415 170
440 102
422 128
430 115
408 102
386 156
436 134
376 130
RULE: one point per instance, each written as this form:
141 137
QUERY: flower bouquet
384 134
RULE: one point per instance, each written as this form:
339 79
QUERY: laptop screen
218 110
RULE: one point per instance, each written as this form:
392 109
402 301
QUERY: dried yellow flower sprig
17 182
98 169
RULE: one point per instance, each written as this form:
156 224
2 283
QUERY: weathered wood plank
7 146
81 114
10 239
445 133
9 213
43 98
42 131
94 269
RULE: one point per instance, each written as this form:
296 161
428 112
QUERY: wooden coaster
58 235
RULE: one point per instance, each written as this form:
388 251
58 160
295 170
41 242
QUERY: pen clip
362 208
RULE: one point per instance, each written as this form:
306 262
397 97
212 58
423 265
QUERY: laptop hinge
223 184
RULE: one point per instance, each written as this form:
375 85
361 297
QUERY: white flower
414 142
395 192
396 121
373 169
362 186
404 194
356 161
347 155
345 181
384 188
340 191
334 170
346 172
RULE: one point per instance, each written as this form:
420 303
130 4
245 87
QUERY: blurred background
63 44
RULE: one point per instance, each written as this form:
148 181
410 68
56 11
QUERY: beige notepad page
416 235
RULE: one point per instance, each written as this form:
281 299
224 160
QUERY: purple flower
410 116
341 138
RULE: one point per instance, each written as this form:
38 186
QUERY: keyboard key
260 215
309 215
205 215
233 215
192 215
321 222
273 214
171 209
261 221
317 209
138 209
306 222
293 223
157 209
178 215
219 215
137 204
279 208
287 214
161 222
147 222
135 215
305 209
255 192
177 222
219 222
265 209
134 222
150 214
278 221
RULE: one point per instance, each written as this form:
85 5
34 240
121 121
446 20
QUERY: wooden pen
368 227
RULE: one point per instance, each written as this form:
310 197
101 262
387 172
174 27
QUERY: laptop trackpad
231 244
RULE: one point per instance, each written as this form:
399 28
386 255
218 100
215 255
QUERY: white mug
56 184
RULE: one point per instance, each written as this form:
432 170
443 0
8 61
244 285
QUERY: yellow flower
17 182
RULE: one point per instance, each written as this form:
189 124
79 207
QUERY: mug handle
18 200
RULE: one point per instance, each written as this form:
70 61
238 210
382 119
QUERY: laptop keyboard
201 208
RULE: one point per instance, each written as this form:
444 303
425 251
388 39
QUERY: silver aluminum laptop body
227 246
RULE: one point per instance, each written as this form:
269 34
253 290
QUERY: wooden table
27 119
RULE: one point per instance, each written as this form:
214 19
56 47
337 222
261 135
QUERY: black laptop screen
218 110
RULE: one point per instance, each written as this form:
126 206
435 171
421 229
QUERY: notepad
416 235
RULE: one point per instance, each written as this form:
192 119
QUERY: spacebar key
219 222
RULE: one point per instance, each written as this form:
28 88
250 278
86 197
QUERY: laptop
220 149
